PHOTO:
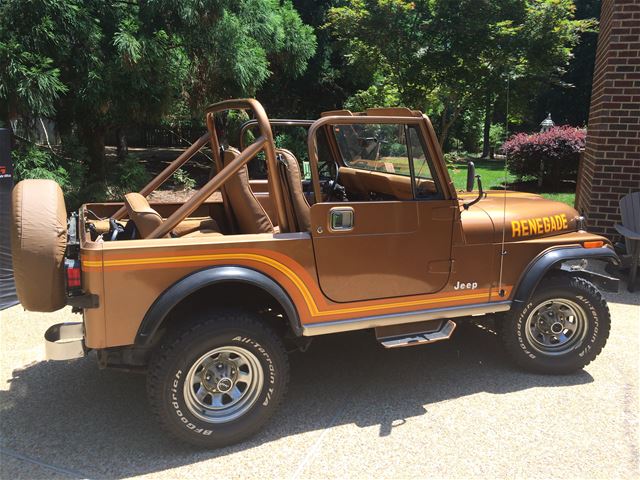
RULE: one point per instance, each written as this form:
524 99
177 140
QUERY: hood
526 215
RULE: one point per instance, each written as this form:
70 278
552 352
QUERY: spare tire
38 243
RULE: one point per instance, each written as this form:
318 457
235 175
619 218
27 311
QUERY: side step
415 334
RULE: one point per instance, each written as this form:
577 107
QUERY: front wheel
219 381
563 327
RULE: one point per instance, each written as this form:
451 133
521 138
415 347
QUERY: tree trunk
94 141
446 124
122 148
486 138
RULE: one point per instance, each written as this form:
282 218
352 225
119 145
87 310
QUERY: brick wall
610 165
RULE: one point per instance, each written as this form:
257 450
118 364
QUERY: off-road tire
597 323
171 364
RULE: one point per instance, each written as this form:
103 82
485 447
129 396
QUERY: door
395 238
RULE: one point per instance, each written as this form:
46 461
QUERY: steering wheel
115 229
332 185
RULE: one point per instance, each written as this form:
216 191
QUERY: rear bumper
64 341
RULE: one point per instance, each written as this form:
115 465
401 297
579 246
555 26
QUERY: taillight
72 273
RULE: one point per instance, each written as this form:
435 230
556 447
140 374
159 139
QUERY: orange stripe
315 302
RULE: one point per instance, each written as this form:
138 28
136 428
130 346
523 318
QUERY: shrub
452 157
559 150
35 162
66 168
126 176
497 135
182 180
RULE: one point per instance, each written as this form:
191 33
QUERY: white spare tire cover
38 242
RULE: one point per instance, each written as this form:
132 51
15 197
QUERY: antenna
503 252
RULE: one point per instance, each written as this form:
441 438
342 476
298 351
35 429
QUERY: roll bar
263 143
162 177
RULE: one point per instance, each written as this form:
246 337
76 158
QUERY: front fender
553 257
203 278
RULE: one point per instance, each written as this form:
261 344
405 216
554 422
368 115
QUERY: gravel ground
455 409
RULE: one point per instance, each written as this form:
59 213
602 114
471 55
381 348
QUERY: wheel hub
556 326
223 384
220 377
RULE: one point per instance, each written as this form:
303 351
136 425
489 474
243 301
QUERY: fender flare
548 259
211 276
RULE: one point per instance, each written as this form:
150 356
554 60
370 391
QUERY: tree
568 97
327 82
96 66
445 56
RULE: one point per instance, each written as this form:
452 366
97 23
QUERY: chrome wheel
556 326
223 384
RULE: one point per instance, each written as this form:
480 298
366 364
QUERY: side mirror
471 176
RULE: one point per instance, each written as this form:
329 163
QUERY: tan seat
147 220
292 187
247 212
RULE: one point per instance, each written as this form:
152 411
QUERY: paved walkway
455 409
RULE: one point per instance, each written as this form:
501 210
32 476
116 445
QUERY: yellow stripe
309 300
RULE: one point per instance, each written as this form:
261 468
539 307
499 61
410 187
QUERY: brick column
611 162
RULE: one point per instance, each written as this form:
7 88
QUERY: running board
444 332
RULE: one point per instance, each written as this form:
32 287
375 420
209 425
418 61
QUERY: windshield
383 148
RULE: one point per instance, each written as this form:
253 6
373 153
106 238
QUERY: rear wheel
219 381
561 329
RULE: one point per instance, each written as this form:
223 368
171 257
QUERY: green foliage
497 135
450 158
294 140
445 57
126 176
66 168
381 94
94 66
35 162
183 180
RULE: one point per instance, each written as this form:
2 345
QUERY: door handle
341 219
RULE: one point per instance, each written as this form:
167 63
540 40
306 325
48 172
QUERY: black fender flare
211 276
549 258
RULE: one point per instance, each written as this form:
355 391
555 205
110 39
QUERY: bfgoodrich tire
563 327
219 381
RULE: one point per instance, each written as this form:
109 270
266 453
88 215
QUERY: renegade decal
538 226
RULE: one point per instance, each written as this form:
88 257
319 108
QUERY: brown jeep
204 296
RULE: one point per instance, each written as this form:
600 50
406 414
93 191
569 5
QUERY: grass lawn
491 171
493 175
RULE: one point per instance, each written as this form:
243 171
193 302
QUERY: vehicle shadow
54 408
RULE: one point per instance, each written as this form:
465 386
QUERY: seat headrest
141 213
247 210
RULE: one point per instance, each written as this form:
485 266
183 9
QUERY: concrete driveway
455 409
